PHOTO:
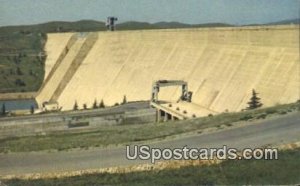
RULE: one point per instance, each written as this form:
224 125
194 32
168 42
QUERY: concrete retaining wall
43 125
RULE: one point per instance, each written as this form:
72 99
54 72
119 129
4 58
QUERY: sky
24 12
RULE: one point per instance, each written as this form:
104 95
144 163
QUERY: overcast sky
16 12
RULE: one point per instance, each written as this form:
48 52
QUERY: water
18 104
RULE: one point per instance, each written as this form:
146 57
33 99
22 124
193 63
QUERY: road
279 130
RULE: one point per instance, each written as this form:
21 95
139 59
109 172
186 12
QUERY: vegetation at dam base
230 172
121 134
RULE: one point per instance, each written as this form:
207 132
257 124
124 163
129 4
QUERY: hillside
286 22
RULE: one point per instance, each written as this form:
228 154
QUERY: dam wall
221 66
56 50
62 70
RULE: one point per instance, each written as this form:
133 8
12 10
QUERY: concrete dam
221 66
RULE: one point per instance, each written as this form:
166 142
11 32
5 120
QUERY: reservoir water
11 105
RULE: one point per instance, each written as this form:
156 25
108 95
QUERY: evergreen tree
32 109
95 104
124 100
3 112
19 72
75 107
102 105
254 101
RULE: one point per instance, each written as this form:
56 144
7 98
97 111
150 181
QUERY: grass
113 135
28 78
21 68
231 172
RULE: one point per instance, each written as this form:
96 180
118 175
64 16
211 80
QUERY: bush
19 72
271 111
246 118
282 112
261 116
20 83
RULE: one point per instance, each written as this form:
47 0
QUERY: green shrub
261 116
282 112
271 111
246 118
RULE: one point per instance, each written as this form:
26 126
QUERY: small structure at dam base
182 109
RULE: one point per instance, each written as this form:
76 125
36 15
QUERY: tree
19 72
3 111
254 102
124 100
75 107
20 83
84 106
31 72
102 105
11 72
17 60
32 109
95 104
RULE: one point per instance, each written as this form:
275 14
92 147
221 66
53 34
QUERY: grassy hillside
21 65
286 22
57 26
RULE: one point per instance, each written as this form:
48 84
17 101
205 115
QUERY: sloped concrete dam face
222 66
